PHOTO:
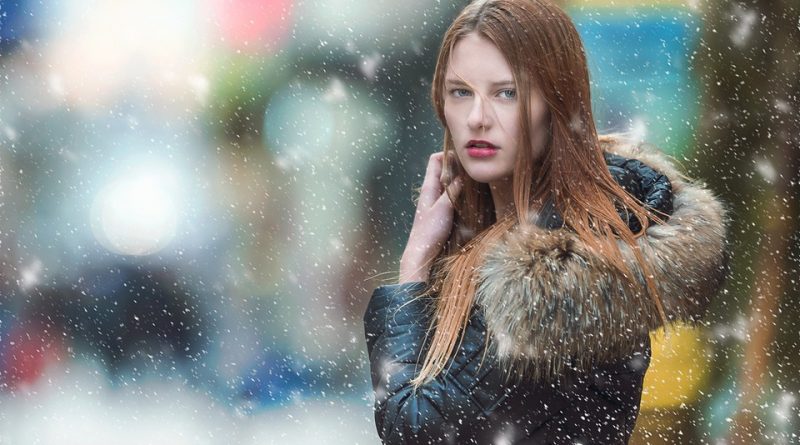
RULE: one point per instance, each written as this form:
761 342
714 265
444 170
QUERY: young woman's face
482 111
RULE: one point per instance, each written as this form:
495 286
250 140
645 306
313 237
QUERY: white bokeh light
137 214
638 129
98 50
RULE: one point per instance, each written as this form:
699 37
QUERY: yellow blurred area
678 368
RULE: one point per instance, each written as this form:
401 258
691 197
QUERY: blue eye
459 92
508 93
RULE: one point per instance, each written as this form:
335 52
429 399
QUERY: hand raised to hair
433 221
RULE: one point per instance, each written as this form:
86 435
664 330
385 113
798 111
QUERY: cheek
510 119
538 112
450 115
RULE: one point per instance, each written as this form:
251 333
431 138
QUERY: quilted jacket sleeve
395 324
651 186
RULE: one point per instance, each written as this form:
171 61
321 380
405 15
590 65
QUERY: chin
488 170
486 177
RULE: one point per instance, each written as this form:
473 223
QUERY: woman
541 254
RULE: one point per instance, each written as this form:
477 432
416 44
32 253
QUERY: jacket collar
550 303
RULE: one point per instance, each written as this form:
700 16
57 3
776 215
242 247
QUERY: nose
479 117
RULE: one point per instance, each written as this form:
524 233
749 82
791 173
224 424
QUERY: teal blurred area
640 67
197 198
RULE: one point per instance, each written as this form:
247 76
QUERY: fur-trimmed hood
550 304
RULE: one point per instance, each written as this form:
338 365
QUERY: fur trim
551 304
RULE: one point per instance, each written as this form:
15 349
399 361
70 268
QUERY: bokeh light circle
327 123
134 216
299 122
253 24
326 134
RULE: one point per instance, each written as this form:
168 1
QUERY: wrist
414 268
412 278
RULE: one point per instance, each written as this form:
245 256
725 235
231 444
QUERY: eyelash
454 92
513 93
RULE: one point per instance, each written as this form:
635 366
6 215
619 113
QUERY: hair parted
546 55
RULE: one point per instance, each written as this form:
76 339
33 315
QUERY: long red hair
545 52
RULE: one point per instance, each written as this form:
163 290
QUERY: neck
502 197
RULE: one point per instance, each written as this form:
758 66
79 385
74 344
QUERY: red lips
481 149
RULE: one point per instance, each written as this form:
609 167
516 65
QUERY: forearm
396 323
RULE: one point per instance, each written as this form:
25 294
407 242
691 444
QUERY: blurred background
198 197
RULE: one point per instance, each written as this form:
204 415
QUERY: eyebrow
493 84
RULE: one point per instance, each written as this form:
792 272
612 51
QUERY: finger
454 190
449 168
456 186
431 187
434 169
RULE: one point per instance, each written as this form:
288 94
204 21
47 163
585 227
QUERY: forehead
477 60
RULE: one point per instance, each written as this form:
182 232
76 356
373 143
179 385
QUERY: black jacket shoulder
648 185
